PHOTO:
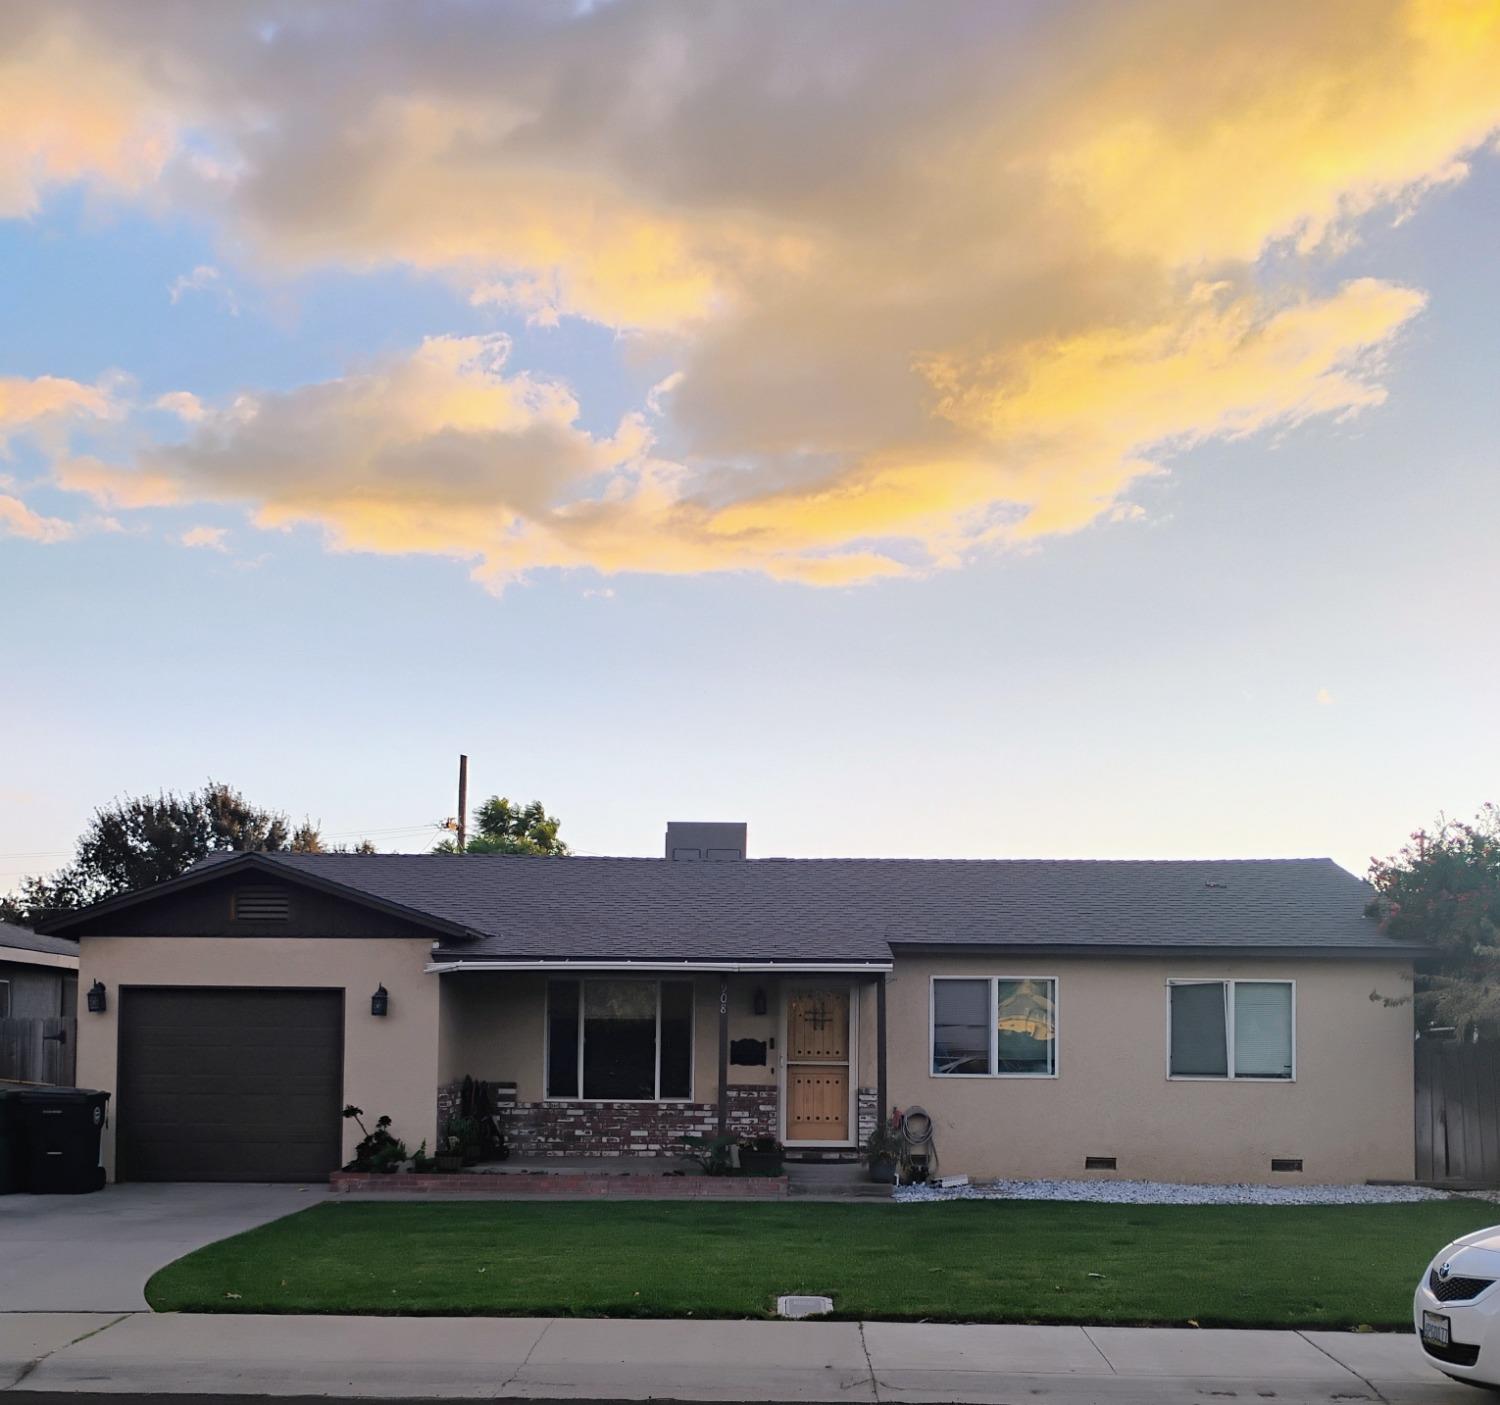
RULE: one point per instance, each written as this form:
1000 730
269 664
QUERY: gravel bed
1166 1193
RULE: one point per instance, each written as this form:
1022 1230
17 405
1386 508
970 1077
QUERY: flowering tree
1443 889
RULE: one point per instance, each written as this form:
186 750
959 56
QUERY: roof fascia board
1299 951
24 956
260 863
580 964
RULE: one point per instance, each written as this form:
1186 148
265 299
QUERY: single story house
38 974
1201 1021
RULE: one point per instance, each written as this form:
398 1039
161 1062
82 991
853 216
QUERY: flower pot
882 1170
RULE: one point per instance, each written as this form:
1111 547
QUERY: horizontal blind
1262 1029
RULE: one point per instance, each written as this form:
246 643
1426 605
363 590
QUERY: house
38 1000
38 974
1205 1021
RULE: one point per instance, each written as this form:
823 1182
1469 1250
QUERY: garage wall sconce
380 1002
97 1000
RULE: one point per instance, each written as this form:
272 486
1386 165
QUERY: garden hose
916 1128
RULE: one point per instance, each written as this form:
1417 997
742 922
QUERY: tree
143 839
1443 889
501 827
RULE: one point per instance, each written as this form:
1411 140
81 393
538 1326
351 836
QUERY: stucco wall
1348 1115
390 1064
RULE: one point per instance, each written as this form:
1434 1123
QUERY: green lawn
997 1261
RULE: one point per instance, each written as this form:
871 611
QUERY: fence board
1457 1112
39 1050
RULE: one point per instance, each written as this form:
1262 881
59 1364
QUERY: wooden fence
1458 1112
39 1050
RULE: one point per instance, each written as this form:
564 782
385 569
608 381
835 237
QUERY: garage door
229 1084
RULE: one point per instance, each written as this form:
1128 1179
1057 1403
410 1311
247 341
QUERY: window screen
960 1026
1199 1031
619 1039
1025 1027
1231 1029
1262 1029
636 1039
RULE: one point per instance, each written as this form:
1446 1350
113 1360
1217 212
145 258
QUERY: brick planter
629 1187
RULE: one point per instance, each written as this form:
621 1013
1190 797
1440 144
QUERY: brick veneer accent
663 1187
867 1112
607 1129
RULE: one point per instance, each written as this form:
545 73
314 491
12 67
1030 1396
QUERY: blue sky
1283 643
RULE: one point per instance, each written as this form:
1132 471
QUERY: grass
997 1261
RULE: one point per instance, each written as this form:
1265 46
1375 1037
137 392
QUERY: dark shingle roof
858 909
27 940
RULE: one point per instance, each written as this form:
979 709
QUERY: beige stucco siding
1348 1114
390 1064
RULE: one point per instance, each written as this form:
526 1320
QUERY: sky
945 430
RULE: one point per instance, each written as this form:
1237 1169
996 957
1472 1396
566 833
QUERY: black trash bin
62 1130
12 1155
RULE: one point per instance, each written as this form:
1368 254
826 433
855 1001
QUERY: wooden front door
817 1065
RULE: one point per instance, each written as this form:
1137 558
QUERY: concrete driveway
94 1253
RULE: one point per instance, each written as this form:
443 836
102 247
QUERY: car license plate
1435 1329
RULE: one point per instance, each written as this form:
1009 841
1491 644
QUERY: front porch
615 1064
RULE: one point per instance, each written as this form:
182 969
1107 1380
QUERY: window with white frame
620 1041
1231 1029
994 1027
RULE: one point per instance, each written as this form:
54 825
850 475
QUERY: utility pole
463 801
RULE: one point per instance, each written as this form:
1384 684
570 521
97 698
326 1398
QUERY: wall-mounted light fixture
380 1002
758 1001
97 1000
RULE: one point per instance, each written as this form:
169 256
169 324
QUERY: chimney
697 842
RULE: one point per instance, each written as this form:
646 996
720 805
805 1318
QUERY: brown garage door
229 1084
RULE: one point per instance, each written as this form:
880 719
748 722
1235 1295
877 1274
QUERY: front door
817 1064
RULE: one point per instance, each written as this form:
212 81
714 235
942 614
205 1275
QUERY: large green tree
144 839
504 827
1443 889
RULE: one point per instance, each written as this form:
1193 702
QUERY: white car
1456 1309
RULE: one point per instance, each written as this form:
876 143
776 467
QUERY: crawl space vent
260 905
1286 1163
1099 1163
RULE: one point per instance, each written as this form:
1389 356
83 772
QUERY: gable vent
260 905
1099 1163
1286 1163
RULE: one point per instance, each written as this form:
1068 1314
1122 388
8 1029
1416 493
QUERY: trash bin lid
60 1095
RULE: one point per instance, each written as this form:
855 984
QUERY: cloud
29 405
208 538
18 520
182 403
204 279
933 279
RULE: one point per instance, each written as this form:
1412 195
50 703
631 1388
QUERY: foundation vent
1100 1163
260 905
1286 1163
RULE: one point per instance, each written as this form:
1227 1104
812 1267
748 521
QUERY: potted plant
884 1150
378 1150
761 1156
463 1139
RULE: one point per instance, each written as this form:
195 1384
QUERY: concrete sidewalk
598 1359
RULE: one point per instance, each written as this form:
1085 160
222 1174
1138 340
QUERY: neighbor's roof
505 907
14 938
